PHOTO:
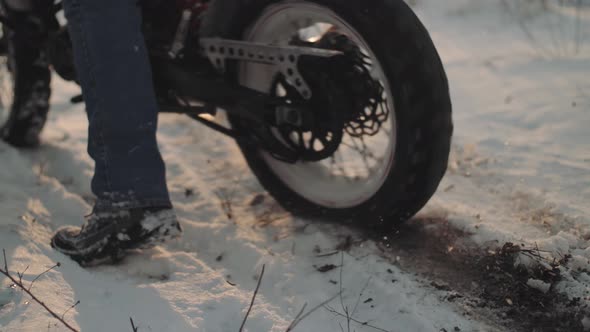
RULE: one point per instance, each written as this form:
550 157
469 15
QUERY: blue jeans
115 74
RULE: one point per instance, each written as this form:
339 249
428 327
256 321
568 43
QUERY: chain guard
286 58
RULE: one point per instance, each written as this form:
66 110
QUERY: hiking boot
106 237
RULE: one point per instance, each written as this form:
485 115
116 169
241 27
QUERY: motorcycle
340 107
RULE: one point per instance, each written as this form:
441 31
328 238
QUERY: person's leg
115 75
27 61
133 208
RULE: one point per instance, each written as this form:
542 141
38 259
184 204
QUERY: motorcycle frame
185 79
194 68
189 72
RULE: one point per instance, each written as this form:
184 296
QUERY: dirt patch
525 294
490 284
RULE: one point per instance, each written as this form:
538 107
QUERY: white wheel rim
351 177
6 87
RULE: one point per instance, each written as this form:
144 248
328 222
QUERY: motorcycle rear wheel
414 152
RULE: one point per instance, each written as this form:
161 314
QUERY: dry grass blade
297 317
43 273
20 285
253 299
336 312
344 308
302 316
358 300
133 325
70 308
22 274
5 260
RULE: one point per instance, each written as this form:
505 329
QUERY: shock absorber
190 18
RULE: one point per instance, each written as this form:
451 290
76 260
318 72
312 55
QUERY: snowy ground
520 173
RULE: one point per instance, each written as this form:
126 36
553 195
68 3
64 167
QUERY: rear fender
20 5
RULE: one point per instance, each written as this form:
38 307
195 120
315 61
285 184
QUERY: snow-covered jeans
114 71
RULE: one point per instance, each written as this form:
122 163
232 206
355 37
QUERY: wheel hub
345 98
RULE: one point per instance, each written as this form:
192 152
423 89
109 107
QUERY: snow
521 167
539 284
520 172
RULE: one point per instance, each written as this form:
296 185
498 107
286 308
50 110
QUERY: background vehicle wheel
25 81
6 80
383 177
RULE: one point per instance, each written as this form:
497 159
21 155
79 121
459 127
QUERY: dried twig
70 308
330 309
253 299
301 316
5 260
133 325
347 314
43 273
297 318
327 254
22 274
20 285
344 308
358 300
